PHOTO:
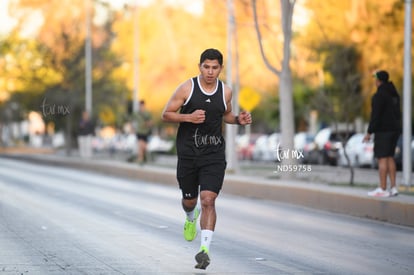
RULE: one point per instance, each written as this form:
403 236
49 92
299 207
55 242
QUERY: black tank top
203 140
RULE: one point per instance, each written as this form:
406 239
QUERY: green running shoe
190 228
202 258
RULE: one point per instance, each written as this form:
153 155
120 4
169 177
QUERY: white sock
206 237
190 215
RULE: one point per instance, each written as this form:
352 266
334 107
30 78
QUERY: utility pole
135 105
407 97
231 130
88 59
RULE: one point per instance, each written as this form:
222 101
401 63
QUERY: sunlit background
145 49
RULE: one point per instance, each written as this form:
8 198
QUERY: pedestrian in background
143 128
86 131
200 105
385 124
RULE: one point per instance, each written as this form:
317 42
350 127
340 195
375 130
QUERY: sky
7 22
194 6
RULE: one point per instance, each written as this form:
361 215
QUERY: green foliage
267 116
302 95
339 100
51 77
358 36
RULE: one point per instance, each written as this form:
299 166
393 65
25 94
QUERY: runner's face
210 70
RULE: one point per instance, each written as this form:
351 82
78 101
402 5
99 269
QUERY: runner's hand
245 118
198 116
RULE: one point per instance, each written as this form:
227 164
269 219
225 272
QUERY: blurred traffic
127 143
328 147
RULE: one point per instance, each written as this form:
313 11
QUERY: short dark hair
212 54
382 76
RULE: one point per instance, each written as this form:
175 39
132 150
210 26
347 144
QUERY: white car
301 139
265 147
158 145
361 154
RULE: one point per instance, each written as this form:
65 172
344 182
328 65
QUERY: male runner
200 105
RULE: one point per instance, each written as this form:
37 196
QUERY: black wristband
237 120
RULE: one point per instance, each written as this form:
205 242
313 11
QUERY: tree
374 28
59 47
170 42
284 74
25 68
340 99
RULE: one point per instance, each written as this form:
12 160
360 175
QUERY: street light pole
407 165
88 59
231 130
135 105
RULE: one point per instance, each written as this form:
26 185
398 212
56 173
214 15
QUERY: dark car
303 142
324 149
399 153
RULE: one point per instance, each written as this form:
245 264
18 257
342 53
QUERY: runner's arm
170 112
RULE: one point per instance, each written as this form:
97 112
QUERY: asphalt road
63 221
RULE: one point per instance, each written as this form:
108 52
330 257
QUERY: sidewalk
253 182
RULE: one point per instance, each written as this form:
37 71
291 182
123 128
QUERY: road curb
359 205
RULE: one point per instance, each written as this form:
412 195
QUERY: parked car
245 146
302 141
399 153
274 141
265 147
361 154
121 143
156 144
260 150
324 149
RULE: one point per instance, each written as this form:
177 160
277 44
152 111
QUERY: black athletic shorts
385 143
200 174
142 137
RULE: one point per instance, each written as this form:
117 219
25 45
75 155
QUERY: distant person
200 105
385 124
86 130
143 128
